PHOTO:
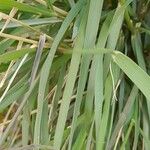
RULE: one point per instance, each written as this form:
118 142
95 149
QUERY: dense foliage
75 74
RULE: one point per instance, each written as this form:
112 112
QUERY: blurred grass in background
75 74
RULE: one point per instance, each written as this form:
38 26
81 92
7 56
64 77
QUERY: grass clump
74 74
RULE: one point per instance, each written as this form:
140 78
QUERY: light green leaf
9 4
137 75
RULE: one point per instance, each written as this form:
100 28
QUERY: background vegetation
75 74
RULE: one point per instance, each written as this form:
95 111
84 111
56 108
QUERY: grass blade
140 78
